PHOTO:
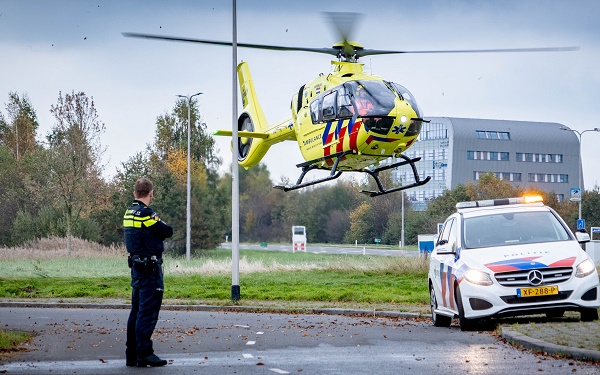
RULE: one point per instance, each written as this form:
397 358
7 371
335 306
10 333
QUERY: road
339 249
88 341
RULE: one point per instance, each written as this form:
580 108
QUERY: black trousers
146 300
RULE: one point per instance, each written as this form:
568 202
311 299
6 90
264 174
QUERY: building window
487 155
490 134
507 176
433 130
542 177
539 158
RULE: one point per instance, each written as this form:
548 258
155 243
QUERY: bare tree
75 158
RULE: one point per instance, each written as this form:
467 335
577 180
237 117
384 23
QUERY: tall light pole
580 134
235 186
188 227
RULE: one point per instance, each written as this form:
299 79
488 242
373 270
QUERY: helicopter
343 121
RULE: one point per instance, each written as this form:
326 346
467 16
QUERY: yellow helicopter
344 121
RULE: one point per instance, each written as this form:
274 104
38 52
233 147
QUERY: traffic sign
575 194
580 224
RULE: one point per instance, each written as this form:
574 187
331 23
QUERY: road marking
279 371
251 343
247 355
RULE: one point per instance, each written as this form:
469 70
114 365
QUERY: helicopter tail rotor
245 143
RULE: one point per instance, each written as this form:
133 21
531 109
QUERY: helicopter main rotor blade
329 51
335 51
369 52
343 24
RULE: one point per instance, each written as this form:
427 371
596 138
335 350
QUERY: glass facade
451 155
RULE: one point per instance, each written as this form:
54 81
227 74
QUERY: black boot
151 360
131 361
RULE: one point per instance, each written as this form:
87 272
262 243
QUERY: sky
76 45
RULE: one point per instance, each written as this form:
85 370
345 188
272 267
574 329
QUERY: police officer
144 236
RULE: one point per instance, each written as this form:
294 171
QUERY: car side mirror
582 237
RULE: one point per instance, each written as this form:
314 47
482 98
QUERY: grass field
44 270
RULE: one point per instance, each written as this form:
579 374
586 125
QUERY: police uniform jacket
144 231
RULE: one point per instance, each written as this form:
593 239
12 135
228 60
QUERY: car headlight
585 268
478 277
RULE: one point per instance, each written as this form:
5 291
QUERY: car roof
483 211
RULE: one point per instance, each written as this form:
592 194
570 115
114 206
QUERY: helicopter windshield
371 98
406 95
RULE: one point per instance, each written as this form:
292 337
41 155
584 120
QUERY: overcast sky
51 46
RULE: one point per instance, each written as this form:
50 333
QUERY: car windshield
512 229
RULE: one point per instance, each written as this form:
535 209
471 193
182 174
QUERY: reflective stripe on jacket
144 231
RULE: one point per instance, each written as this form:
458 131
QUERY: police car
509 257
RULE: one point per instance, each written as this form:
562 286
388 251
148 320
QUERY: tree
20 175
75 158
258 200
165 163
443 206
490 187
372 217
18 129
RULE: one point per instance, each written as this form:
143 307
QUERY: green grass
8 340
265 276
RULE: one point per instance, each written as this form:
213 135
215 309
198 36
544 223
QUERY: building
456 150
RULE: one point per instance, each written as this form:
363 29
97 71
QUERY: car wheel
437 319
589 314
466 324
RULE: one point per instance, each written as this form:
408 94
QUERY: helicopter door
330 106
345 109
315 111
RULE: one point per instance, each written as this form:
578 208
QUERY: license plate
537 291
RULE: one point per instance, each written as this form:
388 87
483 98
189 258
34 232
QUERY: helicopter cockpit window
315 111
371 98
406 95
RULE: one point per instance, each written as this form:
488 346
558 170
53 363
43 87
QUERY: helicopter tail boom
229 133
255 136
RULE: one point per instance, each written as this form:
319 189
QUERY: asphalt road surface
340 249
88 341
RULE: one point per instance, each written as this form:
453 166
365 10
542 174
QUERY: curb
531 343
326 311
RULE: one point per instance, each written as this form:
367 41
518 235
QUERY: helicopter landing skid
307 167
381 190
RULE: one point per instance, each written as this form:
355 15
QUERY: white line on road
279 371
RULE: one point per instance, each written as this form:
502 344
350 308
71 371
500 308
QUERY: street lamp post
580 134
188 227
402 229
